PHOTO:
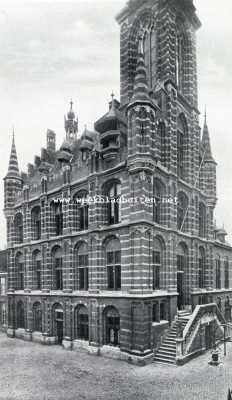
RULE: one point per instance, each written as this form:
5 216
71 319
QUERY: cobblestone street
31 371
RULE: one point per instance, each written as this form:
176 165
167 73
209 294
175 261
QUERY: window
201 275
20 315
82 211
180 154
150 50
82 268
58 216
82 323
3 314
18 223
114 208
37 317
36 223
157 205
19 272
218 273
37 262
162 311
182 211
58 269
59 273
113 265
202 220
226 266
180 56
156 261
112 326
162 138
155 312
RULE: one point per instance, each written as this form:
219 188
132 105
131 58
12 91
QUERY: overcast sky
53 51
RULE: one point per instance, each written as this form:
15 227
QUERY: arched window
20 315
202 220
57 212
114 206
36 223
150 54
82 210
157 204
157 261
181 146
162 140
182 211
37 267
82 271
113 264
112 326
81 323
18 225
37 317
218 272
57 268
226 273
19 266
201 262
180 55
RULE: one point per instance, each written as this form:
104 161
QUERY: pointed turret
13 168
12 180
205 142
141 92
71 124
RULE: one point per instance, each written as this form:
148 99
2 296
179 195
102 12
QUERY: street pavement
30 371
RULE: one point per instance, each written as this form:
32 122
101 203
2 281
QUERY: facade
3 290
112 233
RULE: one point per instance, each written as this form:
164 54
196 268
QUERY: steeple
71 124
13 168
140 82
205 142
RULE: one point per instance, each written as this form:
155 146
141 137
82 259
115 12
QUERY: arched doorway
20 318
182 261
37 317
112 326
58 322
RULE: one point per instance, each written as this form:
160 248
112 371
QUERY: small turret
12 180
205 143
51 141
71 124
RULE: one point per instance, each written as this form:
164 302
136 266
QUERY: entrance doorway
58 323
180 290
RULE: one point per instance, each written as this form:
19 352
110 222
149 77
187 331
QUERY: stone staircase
166 353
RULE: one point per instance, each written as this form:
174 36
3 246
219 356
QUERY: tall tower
71 124
12 184
167 31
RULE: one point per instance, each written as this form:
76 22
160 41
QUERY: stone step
164 362
171 346
169 341
165 351
165 357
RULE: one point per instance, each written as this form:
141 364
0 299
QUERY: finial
71 104
112 95
13 133
205 115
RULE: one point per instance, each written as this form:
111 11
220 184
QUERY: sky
54 51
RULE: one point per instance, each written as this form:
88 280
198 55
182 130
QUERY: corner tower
12 184
168 30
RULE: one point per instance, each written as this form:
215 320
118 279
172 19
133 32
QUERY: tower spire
140 83
206 145
13 168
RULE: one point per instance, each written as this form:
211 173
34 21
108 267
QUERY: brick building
3 290
112 233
